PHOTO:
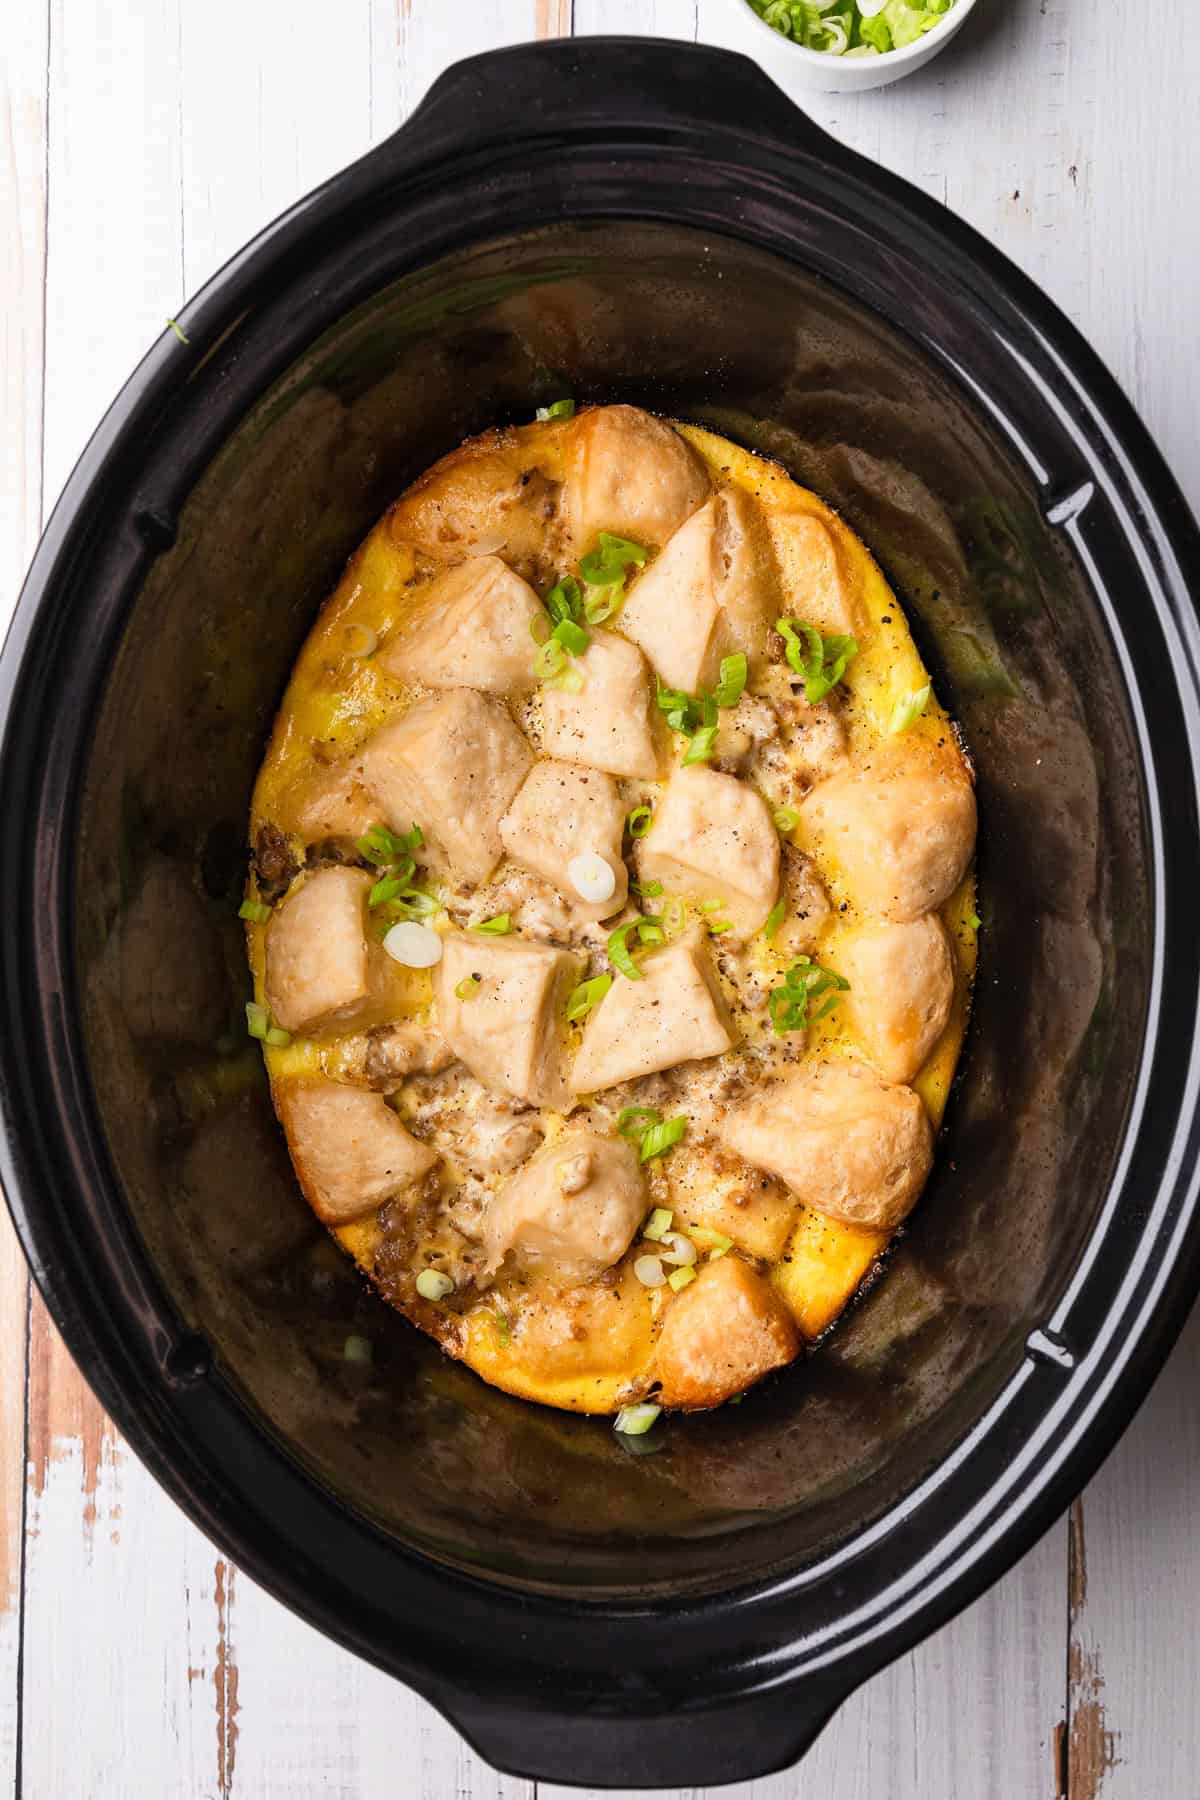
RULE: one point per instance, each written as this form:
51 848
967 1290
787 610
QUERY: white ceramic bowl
796 69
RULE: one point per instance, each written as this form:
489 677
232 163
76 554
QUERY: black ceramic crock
649 222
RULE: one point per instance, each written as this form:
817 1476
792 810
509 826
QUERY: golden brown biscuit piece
901 991
319 967
712 592
674 1013
847 1143
572 1211
500 1007
713 838
722 1334
609 723
469 628
452 766
899 824
629 473
563 812
350 1151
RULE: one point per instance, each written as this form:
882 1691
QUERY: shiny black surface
640 221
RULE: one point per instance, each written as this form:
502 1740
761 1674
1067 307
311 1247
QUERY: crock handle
644 85
686 1749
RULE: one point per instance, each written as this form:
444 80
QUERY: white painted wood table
140 144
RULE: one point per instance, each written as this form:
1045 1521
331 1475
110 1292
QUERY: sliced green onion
597 571
715 1242
502 1327
278 1037
657 1225
180 333
558 409
671 700
498 926
255 911
680 1278
571 636
908 710
570 681
700 746
600 603
660 1138
258 1019
649 930
468 987
974 921
623 550
382 847
632 1122
356 1350
674 916
786 819
822 661
433 1285
639 822
680 1252
550 660
540 627
411 903
707 906
562 601
648 890
846 29
805 983
389 886
719 926
774 919
588 994
732 683
635 1421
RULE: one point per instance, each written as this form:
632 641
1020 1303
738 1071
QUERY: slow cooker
652 222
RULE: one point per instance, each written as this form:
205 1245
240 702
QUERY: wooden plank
113 252
1135 1654
415 41
116 1631
975 1713
641 18
316 1723
121 1628
23 94
259 129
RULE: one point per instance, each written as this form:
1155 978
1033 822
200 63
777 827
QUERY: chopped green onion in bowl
851 27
